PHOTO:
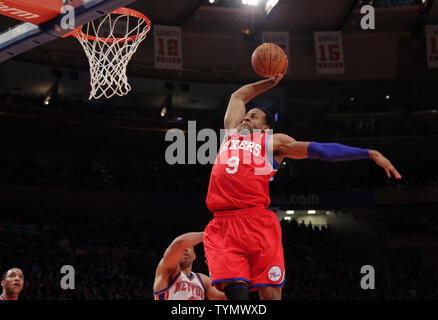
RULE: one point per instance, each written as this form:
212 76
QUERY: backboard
40 23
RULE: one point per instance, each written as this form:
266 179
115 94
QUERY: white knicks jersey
183 288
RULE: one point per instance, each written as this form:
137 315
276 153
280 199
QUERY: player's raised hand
380 160
276 79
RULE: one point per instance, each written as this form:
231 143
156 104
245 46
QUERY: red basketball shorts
245 245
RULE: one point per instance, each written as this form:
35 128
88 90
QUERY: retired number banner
329 52
281 39
168 51
432 45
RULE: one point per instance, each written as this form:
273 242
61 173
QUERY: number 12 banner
168 51
329 52
432 45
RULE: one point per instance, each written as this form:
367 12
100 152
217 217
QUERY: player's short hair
269 118
6 272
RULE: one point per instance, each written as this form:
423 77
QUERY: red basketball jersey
240 175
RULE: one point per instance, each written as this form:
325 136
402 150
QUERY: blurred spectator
115 259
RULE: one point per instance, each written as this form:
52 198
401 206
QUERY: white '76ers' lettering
252 147
233 163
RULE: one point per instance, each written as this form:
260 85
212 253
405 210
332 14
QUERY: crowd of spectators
368 125
114 258
375 127
407 220
106 107
160 177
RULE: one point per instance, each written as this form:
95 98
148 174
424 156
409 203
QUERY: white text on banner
329 52
168 49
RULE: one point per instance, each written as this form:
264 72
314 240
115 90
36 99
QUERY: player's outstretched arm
284 146
210 291
236 107
169 264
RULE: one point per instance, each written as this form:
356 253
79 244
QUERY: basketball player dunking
242 243
174 279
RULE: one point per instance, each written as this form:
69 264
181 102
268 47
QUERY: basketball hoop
109 44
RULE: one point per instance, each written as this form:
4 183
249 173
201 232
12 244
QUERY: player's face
254 119
13 281
188 257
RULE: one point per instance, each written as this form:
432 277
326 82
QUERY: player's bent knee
237 291
269 293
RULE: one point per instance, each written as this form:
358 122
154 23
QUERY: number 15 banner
432 46
167 42
329 52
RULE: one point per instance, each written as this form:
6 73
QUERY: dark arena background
86 183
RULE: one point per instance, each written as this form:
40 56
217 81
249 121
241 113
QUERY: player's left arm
210 291
284 146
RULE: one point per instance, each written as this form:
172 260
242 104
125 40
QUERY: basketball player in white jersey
174 279
12 283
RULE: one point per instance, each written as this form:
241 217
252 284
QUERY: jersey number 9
233 163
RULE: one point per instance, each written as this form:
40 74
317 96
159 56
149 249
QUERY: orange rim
121 11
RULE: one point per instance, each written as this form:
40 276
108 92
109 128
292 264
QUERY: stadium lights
270 4
290 212
47 100
311 211
250 2
163 112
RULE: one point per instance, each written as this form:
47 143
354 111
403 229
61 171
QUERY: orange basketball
268 59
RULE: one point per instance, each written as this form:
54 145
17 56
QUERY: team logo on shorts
274 274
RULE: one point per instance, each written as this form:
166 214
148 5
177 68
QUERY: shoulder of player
278 139
281 137
163 276
205 279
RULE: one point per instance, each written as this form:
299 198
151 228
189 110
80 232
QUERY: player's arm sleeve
236 109
173 253
331 152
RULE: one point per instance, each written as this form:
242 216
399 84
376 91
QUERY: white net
109 44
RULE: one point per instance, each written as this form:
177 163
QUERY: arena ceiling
229 20
230 17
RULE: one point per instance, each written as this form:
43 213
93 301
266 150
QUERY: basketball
268 59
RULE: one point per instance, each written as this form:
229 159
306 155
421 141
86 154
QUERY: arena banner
281 39
329 52
432 45
168 48
32 11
